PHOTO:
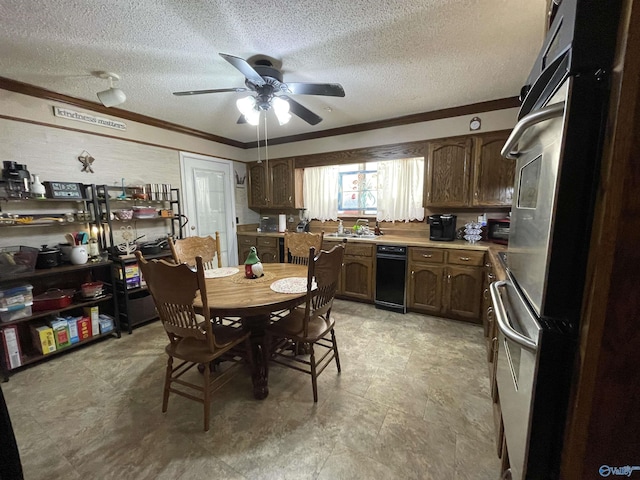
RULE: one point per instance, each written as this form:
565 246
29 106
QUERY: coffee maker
17 180
442 227
303 224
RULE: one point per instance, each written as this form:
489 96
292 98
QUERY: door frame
232 253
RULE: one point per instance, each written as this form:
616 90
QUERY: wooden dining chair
193 338
297 245
185 250
310 324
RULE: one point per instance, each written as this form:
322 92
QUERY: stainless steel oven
556 145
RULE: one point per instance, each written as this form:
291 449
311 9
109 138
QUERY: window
358 189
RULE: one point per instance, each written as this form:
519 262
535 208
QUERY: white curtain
320 191
400 185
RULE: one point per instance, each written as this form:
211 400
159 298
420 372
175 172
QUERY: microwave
498 230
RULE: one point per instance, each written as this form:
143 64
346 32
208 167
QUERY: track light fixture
112 96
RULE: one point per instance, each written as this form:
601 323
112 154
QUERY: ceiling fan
266 81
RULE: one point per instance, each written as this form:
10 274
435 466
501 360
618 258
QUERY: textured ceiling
393 57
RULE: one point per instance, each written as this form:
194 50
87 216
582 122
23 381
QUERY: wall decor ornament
87 160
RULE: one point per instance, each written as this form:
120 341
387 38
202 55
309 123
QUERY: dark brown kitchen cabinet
426 273
493 174
425 288
272 184
446 282
267 247
245 242
463 289
447 172
468 171
358 271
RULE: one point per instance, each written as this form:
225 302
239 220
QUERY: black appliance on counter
557 146
442 227
498 230
303 226
17 180
391 270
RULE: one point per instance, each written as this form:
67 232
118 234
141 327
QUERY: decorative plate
292 285
220 272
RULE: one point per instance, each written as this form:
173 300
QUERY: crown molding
474 108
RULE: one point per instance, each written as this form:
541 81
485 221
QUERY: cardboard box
43 339
72 323
131 275
84 328
11 344
106 323
60 332
92 313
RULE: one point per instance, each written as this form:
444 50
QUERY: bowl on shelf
92 289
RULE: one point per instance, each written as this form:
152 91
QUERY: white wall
447 127
52 153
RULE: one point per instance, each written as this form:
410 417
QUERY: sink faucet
362 226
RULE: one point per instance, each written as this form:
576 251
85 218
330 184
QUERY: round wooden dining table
254 300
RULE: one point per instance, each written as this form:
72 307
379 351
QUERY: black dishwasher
391 271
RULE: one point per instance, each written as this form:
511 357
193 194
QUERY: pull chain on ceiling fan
270 91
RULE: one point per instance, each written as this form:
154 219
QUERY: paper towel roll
282 223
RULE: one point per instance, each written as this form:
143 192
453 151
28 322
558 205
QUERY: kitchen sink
350 235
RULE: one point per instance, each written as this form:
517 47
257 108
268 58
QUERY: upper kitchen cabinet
493 174
447 172
468 172
272 184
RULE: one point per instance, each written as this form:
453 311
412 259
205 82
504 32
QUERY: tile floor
412 402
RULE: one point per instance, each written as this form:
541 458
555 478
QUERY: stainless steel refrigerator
556 145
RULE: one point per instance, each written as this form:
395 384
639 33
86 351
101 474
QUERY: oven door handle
546 113
503 322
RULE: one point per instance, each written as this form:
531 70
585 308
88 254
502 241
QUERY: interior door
209 202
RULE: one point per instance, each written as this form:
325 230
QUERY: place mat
292 285
240 278
220 272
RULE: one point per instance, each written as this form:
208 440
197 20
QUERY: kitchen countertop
410 241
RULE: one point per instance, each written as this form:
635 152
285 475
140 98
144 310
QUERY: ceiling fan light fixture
281 108
112 96
247 107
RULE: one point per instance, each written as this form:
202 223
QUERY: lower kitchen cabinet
463 290
446 282
425 288
268 248
357 279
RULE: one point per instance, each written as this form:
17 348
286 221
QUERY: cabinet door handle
449 278
485 293
427 256
413 273
289 198
465 259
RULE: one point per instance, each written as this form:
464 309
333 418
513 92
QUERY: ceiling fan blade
216 90
329 89
246 69
303 112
